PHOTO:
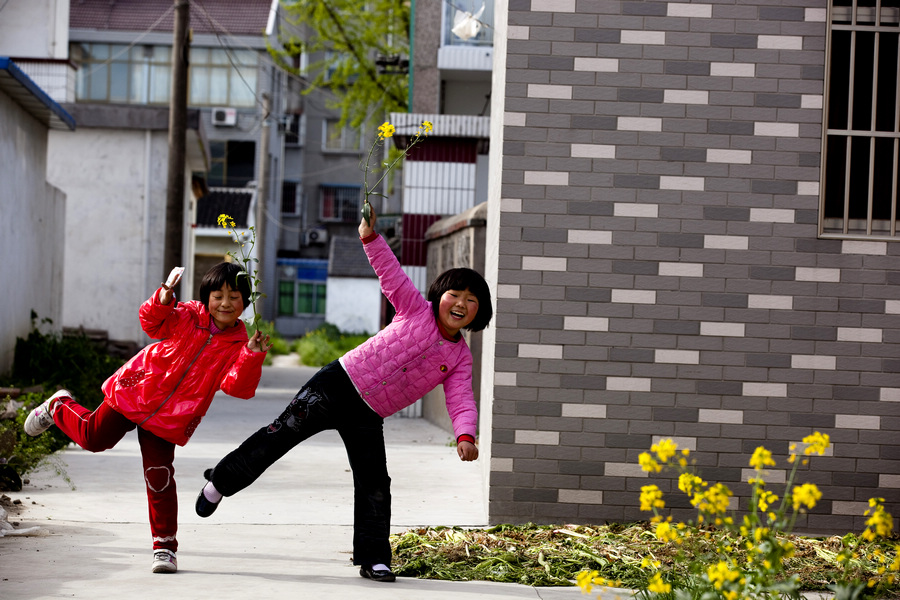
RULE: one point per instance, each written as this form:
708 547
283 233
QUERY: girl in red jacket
420 349
166 388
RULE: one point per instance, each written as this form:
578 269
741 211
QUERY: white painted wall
32 221
353 304
115 182
35 28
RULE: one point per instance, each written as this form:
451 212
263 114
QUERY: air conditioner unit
316 237
224 117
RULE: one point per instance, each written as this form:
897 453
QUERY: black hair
464 279
225 272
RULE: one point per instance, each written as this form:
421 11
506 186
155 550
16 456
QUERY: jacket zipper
183 375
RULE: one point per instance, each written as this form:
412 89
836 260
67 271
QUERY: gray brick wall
659 270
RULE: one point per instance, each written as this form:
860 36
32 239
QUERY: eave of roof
26 93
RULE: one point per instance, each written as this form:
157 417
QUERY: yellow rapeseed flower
761 459
880 523
805 495
688 482
816 443
665 533
664 450
657 585
385 130
720 574
648 463
225 221
651 497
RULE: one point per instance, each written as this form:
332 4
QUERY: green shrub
19 450
325 344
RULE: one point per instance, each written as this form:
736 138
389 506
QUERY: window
340 202
485 35
117 73
862 121
301 286
337 139
292 130
231 164
290 203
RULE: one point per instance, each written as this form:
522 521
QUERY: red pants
101 430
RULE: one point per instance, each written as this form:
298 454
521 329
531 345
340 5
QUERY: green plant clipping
247 261
386 130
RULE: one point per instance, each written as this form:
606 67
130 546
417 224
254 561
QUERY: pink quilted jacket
410 357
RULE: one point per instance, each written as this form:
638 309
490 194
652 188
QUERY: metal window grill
861 149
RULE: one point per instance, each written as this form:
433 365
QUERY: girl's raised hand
258 342
367 229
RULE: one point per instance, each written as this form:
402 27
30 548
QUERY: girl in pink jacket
421 348
166 388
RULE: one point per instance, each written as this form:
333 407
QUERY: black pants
327 401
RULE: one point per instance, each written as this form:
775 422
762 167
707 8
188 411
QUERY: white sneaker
41 418
164 561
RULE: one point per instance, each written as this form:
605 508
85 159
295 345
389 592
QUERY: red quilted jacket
167 387
410 357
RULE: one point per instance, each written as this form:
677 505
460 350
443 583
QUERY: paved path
288 535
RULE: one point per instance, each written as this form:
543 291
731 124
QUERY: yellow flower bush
717 557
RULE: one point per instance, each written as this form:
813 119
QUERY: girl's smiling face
456 310
225 306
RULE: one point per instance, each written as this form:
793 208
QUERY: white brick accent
780 42
681 269
724 69
818 274
514 119
765 390
857 422
888 481
770 476
726 242
586 236
846 507
546 178
580 496
555 92
821 363
540 351
679 357
684 9
890 395
739 157
585 411
603 65
629 36
693 184
507 379
807 188
772 215
868 248
504 465
859 334
543 263
553 5
633 296
722 329
511 205
586 323
775 129
682 442
517 32
614 469
892 307
630 209
639 124
507 290
593 151
815 15
708 415
771 302
628 384
811 101
685 97
541 438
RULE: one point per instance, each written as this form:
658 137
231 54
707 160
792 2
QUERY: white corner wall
353 304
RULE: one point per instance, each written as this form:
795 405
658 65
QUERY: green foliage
325 344
343 41
279 344
23 452
56 361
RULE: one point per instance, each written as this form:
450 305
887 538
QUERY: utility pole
181 47
262 193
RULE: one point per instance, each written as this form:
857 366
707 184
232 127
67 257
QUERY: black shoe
367 572
203 506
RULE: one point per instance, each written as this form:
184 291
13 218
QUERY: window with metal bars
340 202
862 120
